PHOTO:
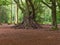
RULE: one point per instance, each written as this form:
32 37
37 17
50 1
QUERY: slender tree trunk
54 21
17 14
11 11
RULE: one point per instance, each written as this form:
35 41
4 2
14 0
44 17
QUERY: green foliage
5 2
3 15
43 14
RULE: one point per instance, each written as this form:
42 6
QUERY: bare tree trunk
54 23
17 14
11 11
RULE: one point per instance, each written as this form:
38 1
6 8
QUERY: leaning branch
46 4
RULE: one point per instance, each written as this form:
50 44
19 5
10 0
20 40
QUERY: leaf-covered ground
10 36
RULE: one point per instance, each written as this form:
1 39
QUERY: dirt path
10 36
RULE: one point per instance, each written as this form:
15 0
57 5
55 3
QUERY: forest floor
45 36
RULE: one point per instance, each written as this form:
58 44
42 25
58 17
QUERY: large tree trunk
28 22
54 21
29 17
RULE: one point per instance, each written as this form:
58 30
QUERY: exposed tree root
30 25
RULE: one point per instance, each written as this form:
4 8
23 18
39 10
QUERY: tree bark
54 21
